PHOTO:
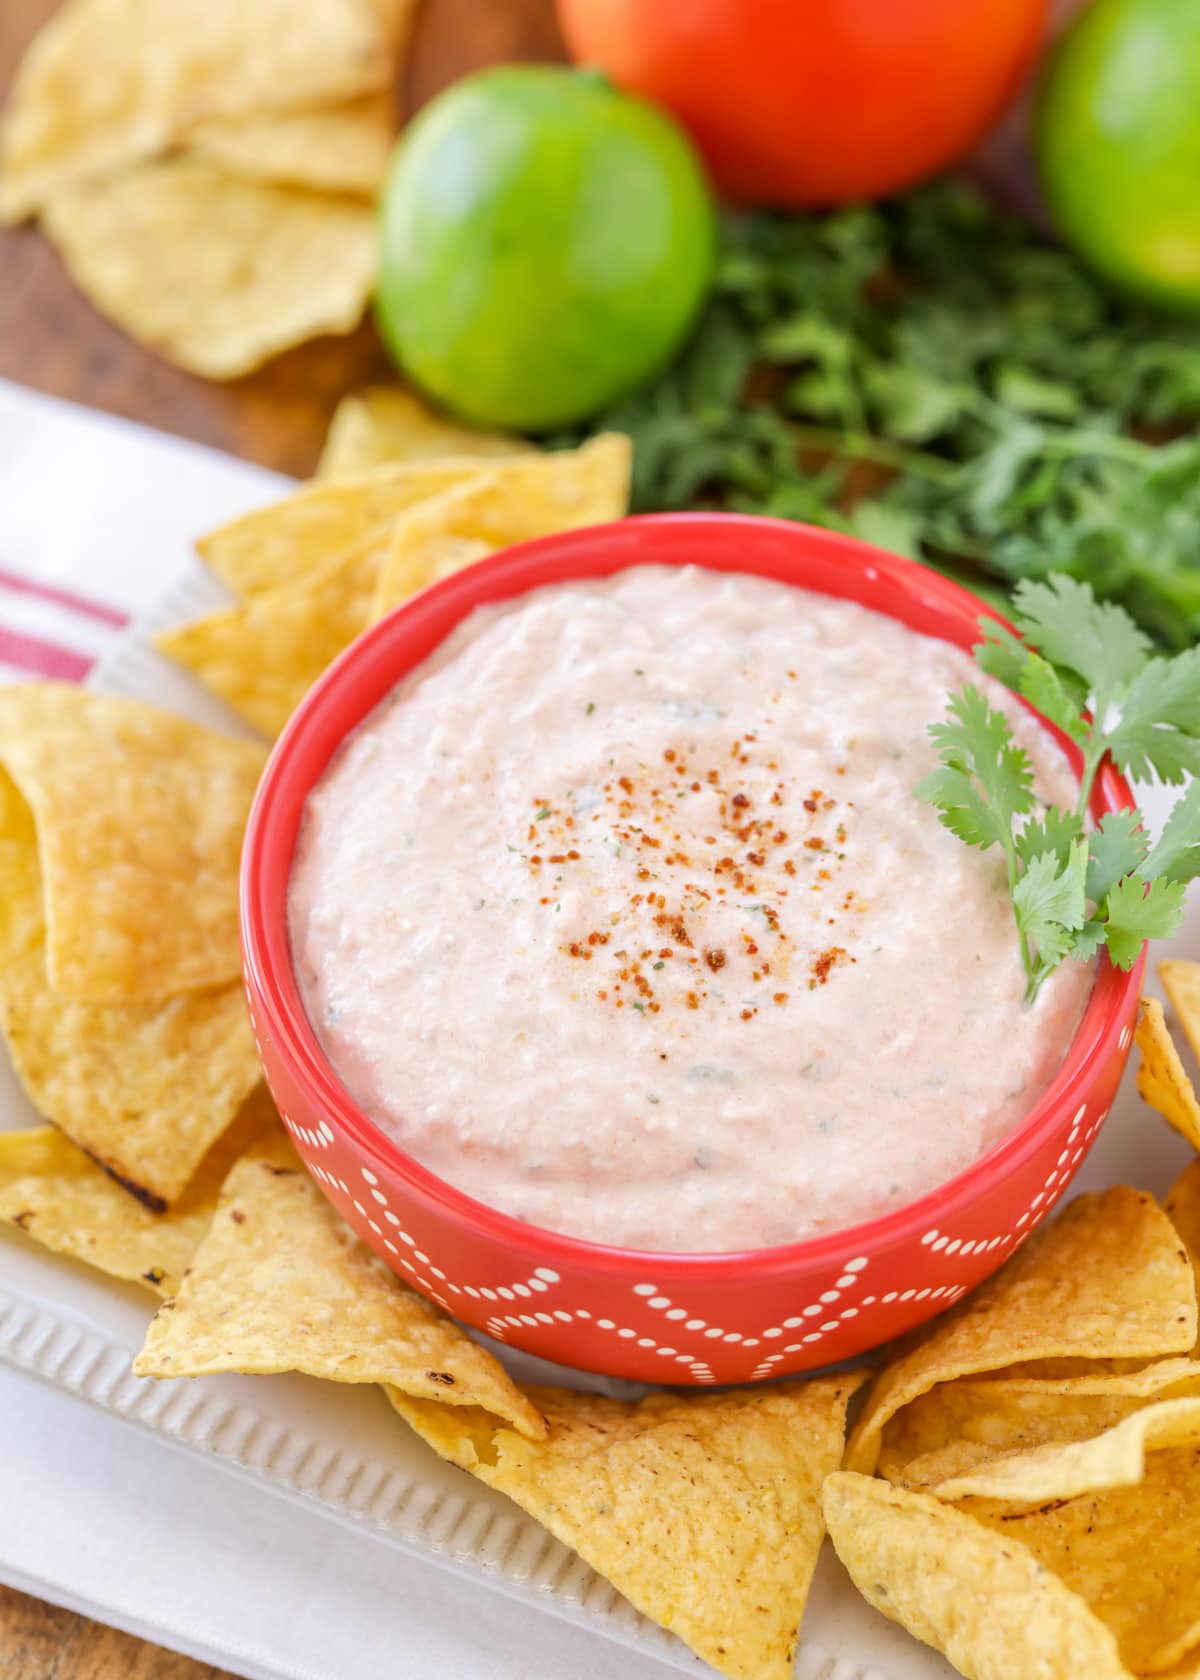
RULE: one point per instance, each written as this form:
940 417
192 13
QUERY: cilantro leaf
912 404
1055 691
1052 693
1116 847
1176 856
1001 654
1158 733
1134 914
1054 831
1095 639
986 779
1088 941
1153 753
1049 902
961 807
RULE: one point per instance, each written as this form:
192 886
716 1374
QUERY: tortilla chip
395 18
1181 982
215 272
1066 1469
386 423
453 530
1162 1080
139 820
62 1199
1182 1205
263 656
1106 1279
1186 1671
281 1284
506 505
108 82
975 1595
959 1426
278 546
22 922
705 1510
336 148
144 1088
1130 1552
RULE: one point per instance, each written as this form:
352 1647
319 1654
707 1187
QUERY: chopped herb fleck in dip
673 924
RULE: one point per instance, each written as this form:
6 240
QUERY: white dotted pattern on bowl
674 1332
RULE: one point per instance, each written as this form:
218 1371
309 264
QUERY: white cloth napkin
96 518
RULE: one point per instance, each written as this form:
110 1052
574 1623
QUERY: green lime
546 243
1117 142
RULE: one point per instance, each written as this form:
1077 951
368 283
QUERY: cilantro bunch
1076 889
933 375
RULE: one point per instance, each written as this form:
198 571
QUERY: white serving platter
339 1451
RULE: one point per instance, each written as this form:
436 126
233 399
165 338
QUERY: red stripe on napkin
43 659
63 598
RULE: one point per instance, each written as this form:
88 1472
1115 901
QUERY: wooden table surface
51 338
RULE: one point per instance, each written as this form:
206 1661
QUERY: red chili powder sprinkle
827 961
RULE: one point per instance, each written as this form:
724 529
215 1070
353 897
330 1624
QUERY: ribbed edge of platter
506 1549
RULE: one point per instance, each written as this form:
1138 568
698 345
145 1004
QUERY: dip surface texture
621 914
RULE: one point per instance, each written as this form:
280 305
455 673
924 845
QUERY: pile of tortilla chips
207 168
1022 1488
313 572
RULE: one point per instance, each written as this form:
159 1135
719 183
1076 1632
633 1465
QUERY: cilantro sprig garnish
1086 666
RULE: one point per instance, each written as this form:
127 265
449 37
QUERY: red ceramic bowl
677 1318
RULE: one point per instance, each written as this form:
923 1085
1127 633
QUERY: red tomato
808 102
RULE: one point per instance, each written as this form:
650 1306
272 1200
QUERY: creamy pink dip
621 915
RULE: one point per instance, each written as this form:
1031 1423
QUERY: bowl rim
297 762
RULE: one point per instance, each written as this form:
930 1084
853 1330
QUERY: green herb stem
1093 754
